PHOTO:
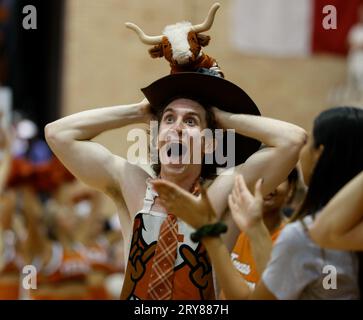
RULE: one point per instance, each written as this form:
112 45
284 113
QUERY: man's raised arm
274 163
70 139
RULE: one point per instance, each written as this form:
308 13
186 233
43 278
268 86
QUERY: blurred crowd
53 223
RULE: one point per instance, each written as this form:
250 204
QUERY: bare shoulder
130 185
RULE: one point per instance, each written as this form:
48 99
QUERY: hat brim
211 90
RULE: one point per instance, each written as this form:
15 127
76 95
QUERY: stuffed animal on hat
181 44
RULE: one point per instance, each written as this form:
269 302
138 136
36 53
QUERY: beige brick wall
105 64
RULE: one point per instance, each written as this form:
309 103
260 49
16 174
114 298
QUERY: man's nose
178 126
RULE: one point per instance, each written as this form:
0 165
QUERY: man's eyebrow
192 113
168 109
189 113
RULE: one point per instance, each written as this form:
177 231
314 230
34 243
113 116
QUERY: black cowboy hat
212 90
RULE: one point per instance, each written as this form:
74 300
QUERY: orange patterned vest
193 279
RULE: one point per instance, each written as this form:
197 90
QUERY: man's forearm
283 140
70 140
87 125
269 131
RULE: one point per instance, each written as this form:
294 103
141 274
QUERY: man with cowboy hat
163 262
141 214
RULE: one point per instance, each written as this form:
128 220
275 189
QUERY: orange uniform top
243 260
98 259
9 290
71 267
10 267
64 266
97 256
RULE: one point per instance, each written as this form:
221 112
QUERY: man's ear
156 51
203 39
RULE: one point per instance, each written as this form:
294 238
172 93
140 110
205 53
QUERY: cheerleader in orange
93 243
63 277
96 254
61 271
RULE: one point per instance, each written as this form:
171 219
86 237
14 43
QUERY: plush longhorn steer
181 44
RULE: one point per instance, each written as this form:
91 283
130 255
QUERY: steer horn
208 22
152 40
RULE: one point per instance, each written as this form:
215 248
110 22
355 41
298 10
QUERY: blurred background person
95 241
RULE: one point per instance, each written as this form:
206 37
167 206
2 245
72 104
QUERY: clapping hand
195 211
246 208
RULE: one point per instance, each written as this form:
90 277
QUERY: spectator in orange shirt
243 254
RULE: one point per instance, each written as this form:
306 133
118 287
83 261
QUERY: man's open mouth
176 150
